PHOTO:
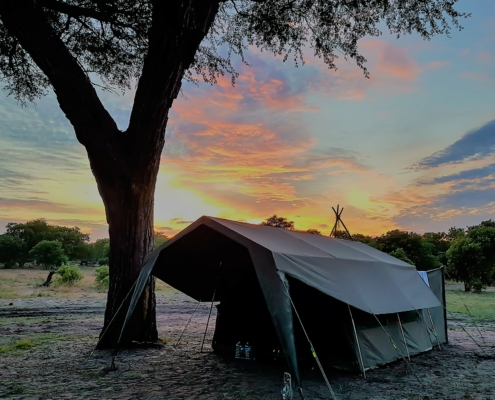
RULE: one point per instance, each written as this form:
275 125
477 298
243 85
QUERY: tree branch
93 125
176 33
72 10
72 86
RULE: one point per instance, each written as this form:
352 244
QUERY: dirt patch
57 335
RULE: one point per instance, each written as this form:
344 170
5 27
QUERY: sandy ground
47 341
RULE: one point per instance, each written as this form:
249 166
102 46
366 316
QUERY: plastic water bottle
238 350
287 389
247 351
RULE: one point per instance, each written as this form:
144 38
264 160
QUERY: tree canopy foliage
49 253
471 257
12 249
279 222
73 241
111 39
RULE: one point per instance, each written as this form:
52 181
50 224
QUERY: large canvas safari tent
359 307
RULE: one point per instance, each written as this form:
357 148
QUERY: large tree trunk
130 219
125 164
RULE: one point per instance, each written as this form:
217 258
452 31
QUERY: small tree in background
49 253
401 255
366 239
34 231
465 257
471 258
419 251
12 249
279 222
160 238
313 231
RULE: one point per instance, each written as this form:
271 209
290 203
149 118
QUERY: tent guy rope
313 351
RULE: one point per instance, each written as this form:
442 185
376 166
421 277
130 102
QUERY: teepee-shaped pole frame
338 221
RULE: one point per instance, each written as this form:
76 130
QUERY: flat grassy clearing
22 283
478 305
25 283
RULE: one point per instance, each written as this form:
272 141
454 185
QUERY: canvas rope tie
428 328
188 322
469 312
400 355
403 337
467 333
434 329
313 351
357 342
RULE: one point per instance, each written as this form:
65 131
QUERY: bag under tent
360 307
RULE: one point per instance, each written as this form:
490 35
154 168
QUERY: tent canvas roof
352 272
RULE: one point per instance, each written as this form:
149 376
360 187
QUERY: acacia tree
64 45
278 222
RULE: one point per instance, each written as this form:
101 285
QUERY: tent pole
313 351
211 307
403 337
434 329
357 342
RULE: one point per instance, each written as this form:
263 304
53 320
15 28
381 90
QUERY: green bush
102 277
24 344
68 275
477 285
103 261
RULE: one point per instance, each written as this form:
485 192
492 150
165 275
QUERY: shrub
103 261
102 277
477 285
68 275
24 344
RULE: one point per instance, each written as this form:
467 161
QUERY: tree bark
125 164
467 286
130 219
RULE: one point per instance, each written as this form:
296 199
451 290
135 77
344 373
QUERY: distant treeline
468 254
52 245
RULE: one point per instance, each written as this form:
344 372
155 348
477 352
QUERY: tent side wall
436 278
377 342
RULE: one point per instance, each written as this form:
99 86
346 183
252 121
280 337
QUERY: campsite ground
47 334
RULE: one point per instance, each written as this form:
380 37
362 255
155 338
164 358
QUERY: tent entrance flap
139 286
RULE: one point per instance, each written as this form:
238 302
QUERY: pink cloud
397 62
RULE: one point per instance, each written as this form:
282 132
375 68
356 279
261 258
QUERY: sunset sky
411 148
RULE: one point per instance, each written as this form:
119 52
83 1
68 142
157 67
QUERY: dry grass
26 283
